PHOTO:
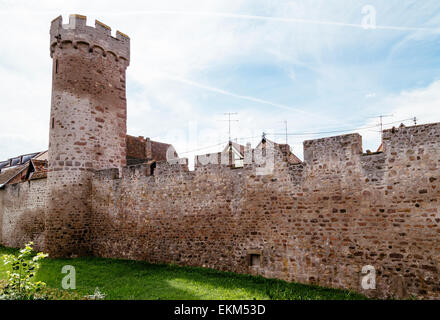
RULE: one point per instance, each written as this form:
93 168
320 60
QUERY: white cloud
176 46
421 103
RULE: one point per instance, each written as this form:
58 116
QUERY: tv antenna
285 127
229 114
381 121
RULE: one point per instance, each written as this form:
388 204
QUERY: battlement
397 139
334 149
216 159
77 31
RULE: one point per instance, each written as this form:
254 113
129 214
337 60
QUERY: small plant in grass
97 295
20 283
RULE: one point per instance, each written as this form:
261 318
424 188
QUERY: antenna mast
229 114
381 122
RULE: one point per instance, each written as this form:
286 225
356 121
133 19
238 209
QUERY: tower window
56 66
53 123
254 258
152 167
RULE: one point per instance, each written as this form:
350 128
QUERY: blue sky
310 63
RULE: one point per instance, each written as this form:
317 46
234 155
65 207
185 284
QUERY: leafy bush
20 283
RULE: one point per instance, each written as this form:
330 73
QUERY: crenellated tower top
88 125
76 31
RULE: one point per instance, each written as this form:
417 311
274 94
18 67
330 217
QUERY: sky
323 67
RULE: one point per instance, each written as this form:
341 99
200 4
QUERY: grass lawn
125 279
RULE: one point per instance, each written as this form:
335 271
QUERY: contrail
233 16
231 94
278 19
249 98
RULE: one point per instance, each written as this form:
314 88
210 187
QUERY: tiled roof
9 173
40 169
38 175
39 165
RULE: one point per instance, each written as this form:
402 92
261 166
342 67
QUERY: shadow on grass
127 279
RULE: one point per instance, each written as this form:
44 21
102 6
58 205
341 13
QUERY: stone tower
87 125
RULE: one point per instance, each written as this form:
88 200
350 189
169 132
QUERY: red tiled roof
40 169
38 175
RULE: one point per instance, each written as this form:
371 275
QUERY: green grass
126 279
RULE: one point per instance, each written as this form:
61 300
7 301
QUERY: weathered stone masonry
319 221
88 125
22 209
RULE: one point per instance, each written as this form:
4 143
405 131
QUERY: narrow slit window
53 123
56 66
152 168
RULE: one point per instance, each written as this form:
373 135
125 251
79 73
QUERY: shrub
20 283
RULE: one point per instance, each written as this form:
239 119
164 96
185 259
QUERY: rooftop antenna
381 121
287 136
285 128
415 121
229 114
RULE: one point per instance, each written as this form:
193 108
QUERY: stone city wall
22 209
317 222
